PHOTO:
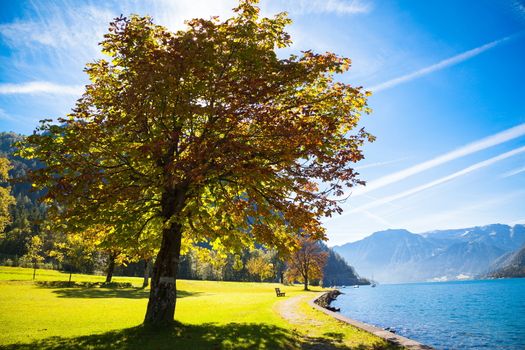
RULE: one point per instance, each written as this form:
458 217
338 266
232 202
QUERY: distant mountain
394 256
509 265
501 236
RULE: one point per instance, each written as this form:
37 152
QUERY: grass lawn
210 315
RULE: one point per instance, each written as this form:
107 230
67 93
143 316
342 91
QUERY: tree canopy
202 135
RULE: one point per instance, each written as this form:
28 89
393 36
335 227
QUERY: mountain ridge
398 255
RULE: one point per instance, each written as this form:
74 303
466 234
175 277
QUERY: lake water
487 314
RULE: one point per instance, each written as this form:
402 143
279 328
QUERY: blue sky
447 77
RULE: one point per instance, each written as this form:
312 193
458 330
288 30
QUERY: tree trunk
34 271
111 268
306 283
163 292
147 268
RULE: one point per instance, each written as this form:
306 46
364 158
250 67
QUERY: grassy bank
210 315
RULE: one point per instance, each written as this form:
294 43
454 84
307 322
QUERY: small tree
104 241
5 196
73 251
237 264
260 265
307 263
114 258
210 263
34 253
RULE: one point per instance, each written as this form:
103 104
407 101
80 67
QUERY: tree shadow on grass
206 336
65 290
335 335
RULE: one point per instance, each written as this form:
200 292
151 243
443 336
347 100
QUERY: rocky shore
325 300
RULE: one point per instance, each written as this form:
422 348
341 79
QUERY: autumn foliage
202 135
306 263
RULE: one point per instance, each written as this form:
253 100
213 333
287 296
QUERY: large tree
203 135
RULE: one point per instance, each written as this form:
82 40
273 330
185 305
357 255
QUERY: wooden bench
279 293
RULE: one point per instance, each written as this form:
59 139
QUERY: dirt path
289 310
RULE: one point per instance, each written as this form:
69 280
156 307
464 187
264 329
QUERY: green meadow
48 313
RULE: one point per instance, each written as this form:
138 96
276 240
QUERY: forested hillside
509 266
337 272
27 215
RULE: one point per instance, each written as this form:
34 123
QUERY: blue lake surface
488 314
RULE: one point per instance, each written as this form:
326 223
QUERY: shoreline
321 302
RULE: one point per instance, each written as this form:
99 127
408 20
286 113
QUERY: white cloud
341 7
428 185
473 147
54 40
440 65
60 26
60 37
39 87
519 9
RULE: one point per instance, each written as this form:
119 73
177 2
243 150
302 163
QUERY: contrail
434 183
440 65
468 149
